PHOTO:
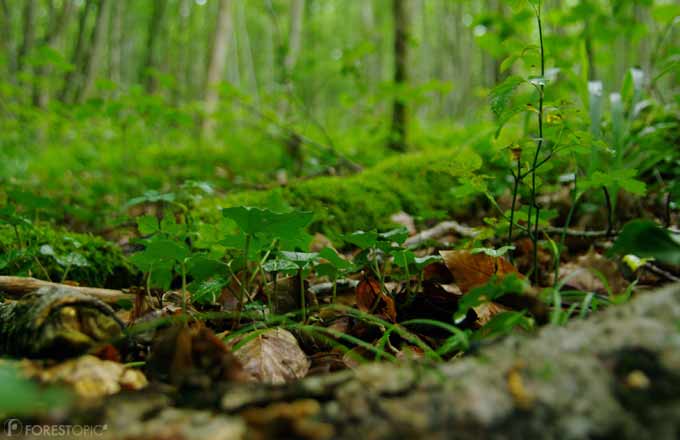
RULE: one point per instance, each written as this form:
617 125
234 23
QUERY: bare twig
439 230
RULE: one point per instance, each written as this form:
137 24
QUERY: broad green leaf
499 97
280 265
167 250
257 220
72 259
147 225
302 259
333 258
646 239
202 267
361 239
397 235
623 178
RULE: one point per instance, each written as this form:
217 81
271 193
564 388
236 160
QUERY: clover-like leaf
361 239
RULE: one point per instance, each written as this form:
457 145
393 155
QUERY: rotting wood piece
17 287
56 323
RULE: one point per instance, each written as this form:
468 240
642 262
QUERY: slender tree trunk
72 77
248 51
398 133
28 19
216 66
297 10
116 44
94 55
6 39
41 88
147 76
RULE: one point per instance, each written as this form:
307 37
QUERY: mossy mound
43 251
417 183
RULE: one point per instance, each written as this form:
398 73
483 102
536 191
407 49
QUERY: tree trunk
116 44
41 87
91 67
216 66
28 19
147 74
398 133
72 77
6 40
297 11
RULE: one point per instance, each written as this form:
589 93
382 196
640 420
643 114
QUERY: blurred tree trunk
6 39
116 44
297 10
147 74
289 54
94 56
216 66
28 20
72 77
248 51
397 139
56 28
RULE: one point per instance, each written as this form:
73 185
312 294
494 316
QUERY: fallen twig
439 230
20 286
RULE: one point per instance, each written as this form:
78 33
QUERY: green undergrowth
54 254
417 183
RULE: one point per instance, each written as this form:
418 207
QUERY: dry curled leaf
472 270
371 298
587 271
91 377
273 357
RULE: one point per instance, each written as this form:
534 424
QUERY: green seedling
333 267
259 232
72 259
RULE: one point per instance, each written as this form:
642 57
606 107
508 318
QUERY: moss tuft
21 256
417 183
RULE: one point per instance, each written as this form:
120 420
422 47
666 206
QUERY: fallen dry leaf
487 311
472 270
582 274
370 299
273 357
91 377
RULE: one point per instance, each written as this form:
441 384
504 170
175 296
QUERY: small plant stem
184 286
539 144
246 283
608 201
335 290
535 243
63 277
514 198
270 301
667 216
37 261
302 296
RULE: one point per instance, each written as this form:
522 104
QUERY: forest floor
301 288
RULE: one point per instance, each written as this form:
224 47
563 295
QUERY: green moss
21 256
417 183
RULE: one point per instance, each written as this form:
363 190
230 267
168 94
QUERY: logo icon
13 427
